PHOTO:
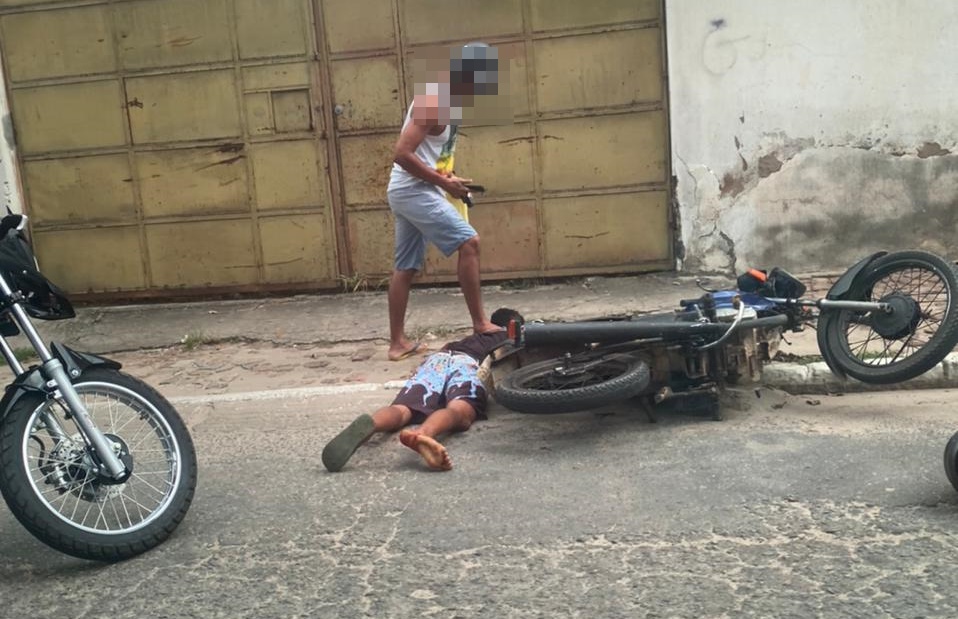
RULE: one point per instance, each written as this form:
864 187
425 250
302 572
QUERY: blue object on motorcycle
723 300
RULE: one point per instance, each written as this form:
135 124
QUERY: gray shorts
423 214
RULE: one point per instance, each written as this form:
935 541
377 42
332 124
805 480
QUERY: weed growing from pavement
360 283
193 340
521 284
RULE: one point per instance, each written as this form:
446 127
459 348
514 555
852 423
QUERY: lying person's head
503 315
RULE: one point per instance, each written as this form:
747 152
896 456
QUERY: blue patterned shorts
440 379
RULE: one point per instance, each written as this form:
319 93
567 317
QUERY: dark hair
503 315
476 64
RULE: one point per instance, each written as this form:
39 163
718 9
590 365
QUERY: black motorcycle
93 462
889 318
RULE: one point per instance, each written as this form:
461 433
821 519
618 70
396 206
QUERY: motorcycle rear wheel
48 480
565 385
917 335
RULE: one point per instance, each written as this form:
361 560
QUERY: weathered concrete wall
806 134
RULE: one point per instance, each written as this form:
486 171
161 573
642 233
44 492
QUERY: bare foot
486 327
435 455
404 350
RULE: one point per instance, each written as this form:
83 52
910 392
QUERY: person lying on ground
445 394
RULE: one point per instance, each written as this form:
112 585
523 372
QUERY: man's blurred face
449 88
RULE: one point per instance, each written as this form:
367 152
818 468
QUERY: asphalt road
792 507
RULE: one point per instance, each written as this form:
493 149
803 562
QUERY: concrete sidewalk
362 317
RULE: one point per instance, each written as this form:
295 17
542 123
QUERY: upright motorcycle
93 462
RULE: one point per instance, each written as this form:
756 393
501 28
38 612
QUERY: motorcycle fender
846 283
33 381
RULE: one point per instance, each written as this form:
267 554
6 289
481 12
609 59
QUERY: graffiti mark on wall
723 47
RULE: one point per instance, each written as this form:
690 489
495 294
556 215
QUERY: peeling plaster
932 149
803 147
826 208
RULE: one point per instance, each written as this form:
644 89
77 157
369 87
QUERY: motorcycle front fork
54 371
57 378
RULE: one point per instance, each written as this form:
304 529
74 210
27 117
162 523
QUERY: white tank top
428 152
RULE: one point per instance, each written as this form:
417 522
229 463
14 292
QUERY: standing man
418 191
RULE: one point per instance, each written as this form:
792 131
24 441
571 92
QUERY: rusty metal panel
603 151
359 24
276 76
288 174
182 254
297 248
269 28
608 230
277 98
368 91
183 106
80 189
555 14
291 111
68 117
371 235
91 260
518 92
366 161
172 32
259 113
60 43
192 181
499 157
426 21
508 239
29 2
590 71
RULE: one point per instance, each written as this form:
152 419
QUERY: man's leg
471 285
398 297
458 416
387 419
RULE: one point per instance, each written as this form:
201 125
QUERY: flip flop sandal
420 347
338 451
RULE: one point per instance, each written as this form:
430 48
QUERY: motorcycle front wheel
565 385
919 330
49 475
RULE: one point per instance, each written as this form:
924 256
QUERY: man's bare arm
405 155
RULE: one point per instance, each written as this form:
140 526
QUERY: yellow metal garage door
172 145
184 146
576 185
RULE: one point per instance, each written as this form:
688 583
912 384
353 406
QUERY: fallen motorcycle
93 462
889 318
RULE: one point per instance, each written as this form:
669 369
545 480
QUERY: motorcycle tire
891 348
951 460
50 483
565 386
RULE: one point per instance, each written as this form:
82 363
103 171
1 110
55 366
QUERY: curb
816 378
795 378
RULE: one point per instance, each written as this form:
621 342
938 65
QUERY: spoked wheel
951 461
920 328
52 482
570 384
